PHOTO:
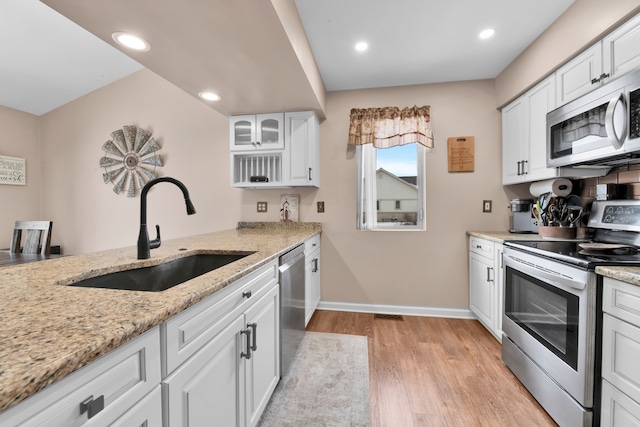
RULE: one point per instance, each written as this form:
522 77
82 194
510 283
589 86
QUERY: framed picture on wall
289 207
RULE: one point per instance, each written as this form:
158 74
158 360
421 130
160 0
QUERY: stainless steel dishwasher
292 296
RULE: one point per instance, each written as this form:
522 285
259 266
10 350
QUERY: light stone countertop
624 274
502 236
50 330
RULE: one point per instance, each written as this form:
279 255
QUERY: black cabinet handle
246 294
309 174
247 355
92 406
524 170
315 265
254 326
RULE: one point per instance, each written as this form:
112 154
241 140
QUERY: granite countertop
49 330
624 274
501 236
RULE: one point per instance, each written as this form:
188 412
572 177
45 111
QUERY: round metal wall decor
130 159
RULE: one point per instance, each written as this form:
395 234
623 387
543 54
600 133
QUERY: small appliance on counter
522 220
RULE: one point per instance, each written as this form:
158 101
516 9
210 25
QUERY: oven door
550 313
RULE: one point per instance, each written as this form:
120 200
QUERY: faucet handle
155 243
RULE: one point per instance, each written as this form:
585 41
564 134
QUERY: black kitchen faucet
144 245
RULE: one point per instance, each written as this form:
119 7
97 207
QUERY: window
391 190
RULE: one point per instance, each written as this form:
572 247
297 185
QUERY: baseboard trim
454 313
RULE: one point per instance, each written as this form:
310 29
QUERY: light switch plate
486 206
261 207
320 207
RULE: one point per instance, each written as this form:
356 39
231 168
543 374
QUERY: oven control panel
616 214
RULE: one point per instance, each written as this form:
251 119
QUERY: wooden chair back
37 237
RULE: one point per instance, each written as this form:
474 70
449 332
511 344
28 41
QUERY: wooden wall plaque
461 154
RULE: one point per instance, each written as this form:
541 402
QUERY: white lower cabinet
312 277
220 364
620 354
485 283
100 393
228 380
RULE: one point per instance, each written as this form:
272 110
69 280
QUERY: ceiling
240 49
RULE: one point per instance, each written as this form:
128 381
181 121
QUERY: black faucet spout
144 245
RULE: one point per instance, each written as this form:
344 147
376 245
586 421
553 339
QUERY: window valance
390 126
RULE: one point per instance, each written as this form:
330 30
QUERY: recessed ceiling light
209 96
132 42
485 34
362 46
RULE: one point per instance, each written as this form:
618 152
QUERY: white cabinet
616 54
257 132
524 135
302 158
620 354
230 345
312 276
100 393
580 75
294 163
621 49
485 283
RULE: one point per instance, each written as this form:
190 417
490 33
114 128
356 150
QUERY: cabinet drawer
147 412
617 408
311 245
121 378
188 331
481 247
620 355
621 300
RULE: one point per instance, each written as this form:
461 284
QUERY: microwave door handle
610 121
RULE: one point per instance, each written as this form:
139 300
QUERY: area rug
327 385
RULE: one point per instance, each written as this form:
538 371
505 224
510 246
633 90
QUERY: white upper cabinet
292 162
616 54
524 141
621 49
257 132
580 75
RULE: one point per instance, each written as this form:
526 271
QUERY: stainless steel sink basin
162 276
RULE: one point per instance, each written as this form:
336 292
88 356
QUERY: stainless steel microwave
601 127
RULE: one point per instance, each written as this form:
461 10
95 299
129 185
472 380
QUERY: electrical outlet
486 206
320 207
261 206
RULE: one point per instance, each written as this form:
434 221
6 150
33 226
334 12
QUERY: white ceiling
47 60
51 61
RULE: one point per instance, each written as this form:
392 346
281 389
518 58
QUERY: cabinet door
621 49
575 78
499 284
302 156
242 132
617 409
208 389
270 131
481 289
539 101
262 370
513 142
312 284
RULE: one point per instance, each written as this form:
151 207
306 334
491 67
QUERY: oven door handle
561 282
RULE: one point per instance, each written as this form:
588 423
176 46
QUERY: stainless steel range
552 311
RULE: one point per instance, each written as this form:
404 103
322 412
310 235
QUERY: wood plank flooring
427 371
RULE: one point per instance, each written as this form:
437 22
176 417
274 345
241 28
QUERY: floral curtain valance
390 126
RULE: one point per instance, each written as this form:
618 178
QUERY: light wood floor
426 371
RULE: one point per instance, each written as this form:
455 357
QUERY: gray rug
327 385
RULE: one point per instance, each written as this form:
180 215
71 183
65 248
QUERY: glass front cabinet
257 132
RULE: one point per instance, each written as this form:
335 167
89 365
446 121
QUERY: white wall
19 202
87 214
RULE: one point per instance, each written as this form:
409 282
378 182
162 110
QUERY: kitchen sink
163 276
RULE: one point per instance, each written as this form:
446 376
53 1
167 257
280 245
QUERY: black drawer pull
246 294
92 406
